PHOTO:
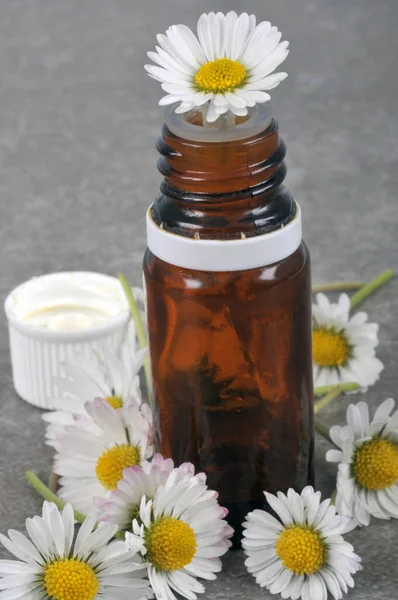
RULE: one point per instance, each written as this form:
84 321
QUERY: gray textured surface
78 118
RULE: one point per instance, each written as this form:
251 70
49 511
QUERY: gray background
78 120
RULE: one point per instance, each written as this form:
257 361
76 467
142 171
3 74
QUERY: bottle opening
229 127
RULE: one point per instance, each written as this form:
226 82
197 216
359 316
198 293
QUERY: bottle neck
229 189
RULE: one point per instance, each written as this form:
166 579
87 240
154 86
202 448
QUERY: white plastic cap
38 350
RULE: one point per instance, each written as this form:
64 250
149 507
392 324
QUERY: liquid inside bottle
229 326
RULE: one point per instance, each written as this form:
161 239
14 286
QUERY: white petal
383 411
40 535
184 57
212 114
216 32
163 75
205 37
327 519
296 588
266 519
296 506
185 585
265 83
21 593
305 591
354 420
272 62
318 589
160 585
281 582
389 507
84 531
211 551
192 45
88 386
166 61
280 509
205 568
15 567
239 112
322 511
239 36
364 412
251 97
260 42
270 573
25 546
69 527
184 46
257 558
220 100
334 456
57 529
179 90
331 582
229 25
235 100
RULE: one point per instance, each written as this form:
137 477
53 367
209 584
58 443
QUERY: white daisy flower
54 565
227 65
343 348
90 462
109 375
123 504
367 480
181 534
302 552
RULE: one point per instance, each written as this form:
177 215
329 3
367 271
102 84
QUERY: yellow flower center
330 348
110 465
70 579
301 550
375 465
220 75
114 401
171 544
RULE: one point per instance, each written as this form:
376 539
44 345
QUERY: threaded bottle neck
222 184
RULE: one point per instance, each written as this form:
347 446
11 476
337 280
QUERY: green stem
140 329
334 393
47 494
53 482
371 287
344 387
337 286
323 430
333 497
135 313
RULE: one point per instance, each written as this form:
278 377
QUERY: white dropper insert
193 125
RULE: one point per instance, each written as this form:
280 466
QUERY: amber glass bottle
229 311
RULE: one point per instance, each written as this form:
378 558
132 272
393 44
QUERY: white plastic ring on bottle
224 255
37 353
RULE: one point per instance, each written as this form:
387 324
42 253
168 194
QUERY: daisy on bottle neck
91 456
343 346
367 480
227 66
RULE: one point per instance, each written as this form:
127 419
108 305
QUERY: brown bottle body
231 362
